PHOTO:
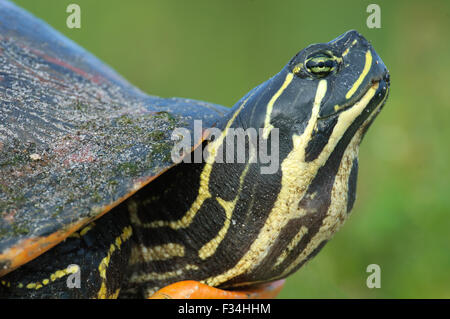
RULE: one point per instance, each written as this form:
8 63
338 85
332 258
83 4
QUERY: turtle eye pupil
320 65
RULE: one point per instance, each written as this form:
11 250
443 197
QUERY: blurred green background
218 50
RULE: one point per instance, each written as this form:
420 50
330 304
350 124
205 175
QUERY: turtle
108 192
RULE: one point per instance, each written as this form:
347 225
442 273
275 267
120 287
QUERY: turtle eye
320 65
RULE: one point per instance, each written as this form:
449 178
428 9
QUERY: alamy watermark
73 21
374 18
374 279
233 145
74 279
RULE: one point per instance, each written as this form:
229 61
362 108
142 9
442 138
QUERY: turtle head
317 86
321 103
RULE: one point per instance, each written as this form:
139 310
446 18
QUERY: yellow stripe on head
361 77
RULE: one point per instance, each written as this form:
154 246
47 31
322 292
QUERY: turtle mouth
376 104
378 100
383 83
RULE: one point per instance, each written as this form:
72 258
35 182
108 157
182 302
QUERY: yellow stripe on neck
283 209
267 126
210 248
203 193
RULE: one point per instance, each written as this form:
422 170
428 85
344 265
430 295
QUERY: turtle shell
76 139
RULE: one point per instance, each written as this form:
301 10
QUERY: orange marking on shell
94 78
191 289
30 248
